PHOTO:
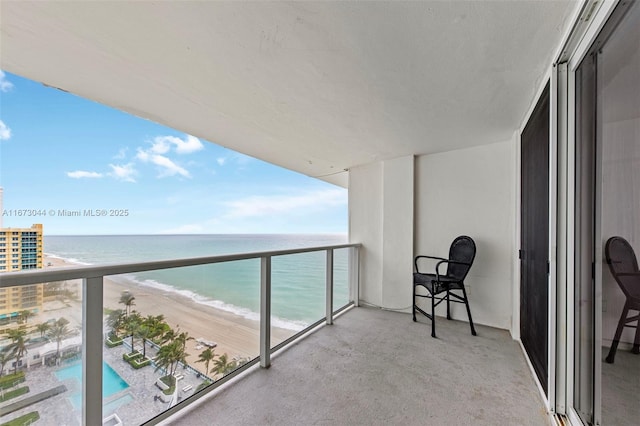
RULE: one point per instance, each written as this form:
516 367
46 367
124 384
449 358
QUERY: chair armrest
415 261
457 262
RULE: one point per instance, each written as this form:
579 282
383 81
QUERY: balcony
78 367
370 367
379 367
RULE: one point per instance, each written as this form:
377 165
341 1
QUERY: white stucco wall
471 192
365 227
381 218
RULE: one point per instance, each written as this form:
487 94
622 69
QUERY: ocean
298 281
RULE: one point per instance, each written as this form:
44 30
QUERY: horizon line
194 234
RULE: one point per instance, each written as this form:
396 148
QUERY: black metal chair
461 255
624 268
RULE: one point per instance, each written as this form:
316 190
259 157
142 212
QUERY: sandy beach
235 335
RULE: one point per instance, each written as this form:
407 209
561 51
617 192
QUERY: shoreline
234 334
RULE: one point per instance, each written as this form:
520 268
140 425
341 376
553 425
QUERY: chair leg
414 303
636 341
616 339
466 303
433 315
448 307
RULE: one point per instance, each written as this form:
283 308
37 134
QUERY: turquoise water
111 381
298 281
108 408
112 406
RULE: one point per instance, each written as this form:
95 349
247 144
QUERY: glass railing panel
40 349
297 293
170 333
340 278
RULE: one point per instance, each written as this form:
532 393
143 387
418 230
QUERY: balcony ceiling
316 87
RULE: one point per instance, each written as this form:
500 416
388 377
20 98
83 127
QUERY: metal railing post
354 275
92 331
329 278
265 311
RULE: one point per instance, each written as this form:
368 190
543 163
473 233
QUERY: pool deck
134 405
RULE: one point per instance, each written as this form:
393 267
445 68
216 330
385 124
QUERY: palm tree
18 343
115 321
223 365
5 356
43 328
206 356
58 332
183 338
157 325
131 325
127 298
169 335
168 357
145 332
25 315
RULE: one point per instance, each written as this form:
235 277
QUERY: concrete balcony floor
374 367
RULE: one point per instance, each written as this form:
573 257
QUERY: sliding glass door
607 374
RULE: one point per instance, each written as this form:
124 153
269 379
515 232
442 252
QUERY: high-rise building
20 248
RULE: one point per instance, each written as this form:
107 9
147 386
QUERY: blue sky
61 152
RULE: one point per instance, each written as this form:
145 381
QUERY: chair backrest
463 249
620 258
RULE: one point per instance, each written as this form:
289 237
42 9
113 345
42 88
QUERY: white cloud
5 132
125 172
142 155
192 144
79 174
167 166
162 144
261 205
221 160
5 85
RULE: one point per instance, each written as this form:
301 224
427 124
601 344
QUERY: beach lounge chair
624 267
439 286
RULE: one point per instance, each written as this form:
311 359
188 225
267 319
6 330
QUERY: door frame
549 396
588 26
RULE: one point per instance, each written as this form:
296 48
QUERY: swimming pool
111 381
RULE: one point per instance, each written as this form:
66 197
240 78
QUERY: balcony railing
92 311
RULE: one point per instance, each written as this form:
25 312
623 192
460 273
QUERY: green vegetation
58 332
203 385
27 419
43 328
115 320
113 341
206 356
5 396
18 346
169 381
128 300
172 353
23 316
136 359
11 380
131 355
130 324
139 363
